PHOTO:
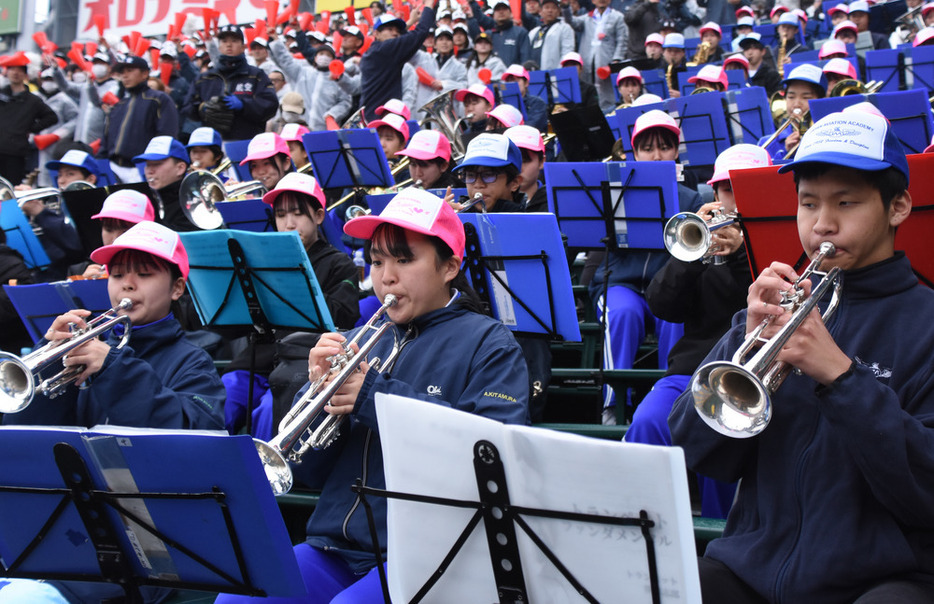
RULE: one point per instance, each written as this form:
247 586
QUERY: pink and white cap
655 38
839 8
778 8
929 148
394 106
711 26
427 145
646 99
264 146
415 210
738 157
507 115
737 58
655 118
831 47
572 57
149 237
526 137
745 10
840 67
394 121
517 71
928 7
297 183
711 73
127 204
476 89
293 132
923 36
865 107
628 72
844 25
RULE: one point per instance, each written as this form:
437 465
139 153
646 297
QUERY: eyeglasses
488 176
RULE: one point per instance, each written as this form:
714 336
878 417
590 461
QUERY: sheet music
427 450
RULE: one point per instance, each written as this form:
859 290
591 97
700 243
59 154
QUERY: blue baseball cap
386 19
853 139
812 74
204 137
163 147
492 150
75 158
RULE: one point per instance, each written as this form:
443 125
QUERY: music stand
541 503
748 115
81 205
348 158
237 152
653 80
886 66
518 267
583 133
556 86
252 215
128 506
704 134
508 93
37 305
20 236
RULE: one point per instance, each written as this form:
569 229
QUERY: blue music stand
748 114
704 134
632 213
556 86
919 68
518 267
885 66
683 85
248 215
38 304
625 119
509 93
653 80
236 151
137 507
19 235
908 110
239 278
348 158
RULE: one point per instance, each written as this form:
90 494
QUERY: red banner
154 17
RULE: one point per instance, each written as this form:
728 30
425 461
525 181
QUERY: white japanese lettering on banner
153 17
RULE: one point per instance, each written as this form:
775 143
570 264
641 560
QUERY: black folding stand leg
114 564
498 522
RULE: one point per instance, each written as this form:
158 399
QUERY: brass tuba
440 110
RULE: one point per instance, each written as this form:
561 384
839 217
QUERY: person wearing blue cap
834 499
674 62
166 162
141 114
381 65
233 97
787 36
75 165
805 82
205 148
490 169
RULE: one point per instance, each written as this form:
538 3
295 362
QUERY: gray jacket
323 97
602 41
89 124
556 42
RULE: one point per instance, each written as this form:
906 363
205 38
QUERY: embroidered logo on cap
417 210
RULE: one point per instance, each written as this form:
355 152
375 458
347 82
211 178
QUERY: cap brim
487 162
125 216
103 255
364 226
418 154
839 159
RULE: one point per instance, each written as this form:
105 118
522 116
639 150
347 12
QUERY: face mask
99 71
4 81
79 77
322 60
49 87
291 117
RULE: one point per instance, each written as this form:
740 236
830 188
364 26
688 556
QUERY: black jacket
21 115
250 85
13 335
767 77
642 18
142 114
702 296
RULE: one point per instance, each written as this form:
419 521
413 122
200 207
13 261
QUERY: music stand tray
171 508
20 236
575 531
38 304
348 158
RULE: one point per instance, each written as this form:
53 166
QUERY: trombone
296 436
734 397
18 375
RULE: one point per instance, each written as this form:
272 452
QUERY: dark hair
890 183
115 224
656 136
527 155
818 91
306 203
396 245
138 260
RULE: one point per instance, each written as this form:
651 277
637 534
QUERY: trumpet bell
78 185
687 237
17 386
199 193
731 399
277 469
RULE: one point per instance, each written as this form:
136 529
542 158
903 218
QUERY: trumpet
733 397
477 198
688 237
18 375
296 435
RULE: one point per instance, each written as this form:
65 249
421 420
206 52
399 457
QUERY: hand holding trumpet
810 349
330 345
91 354
725 240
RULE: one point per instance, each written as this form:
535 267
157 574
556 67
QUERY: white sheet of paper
428 450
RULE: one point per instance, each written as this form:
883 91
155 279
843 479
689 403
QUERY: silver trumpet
18 375
733 397
688 237
477 198
296 435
